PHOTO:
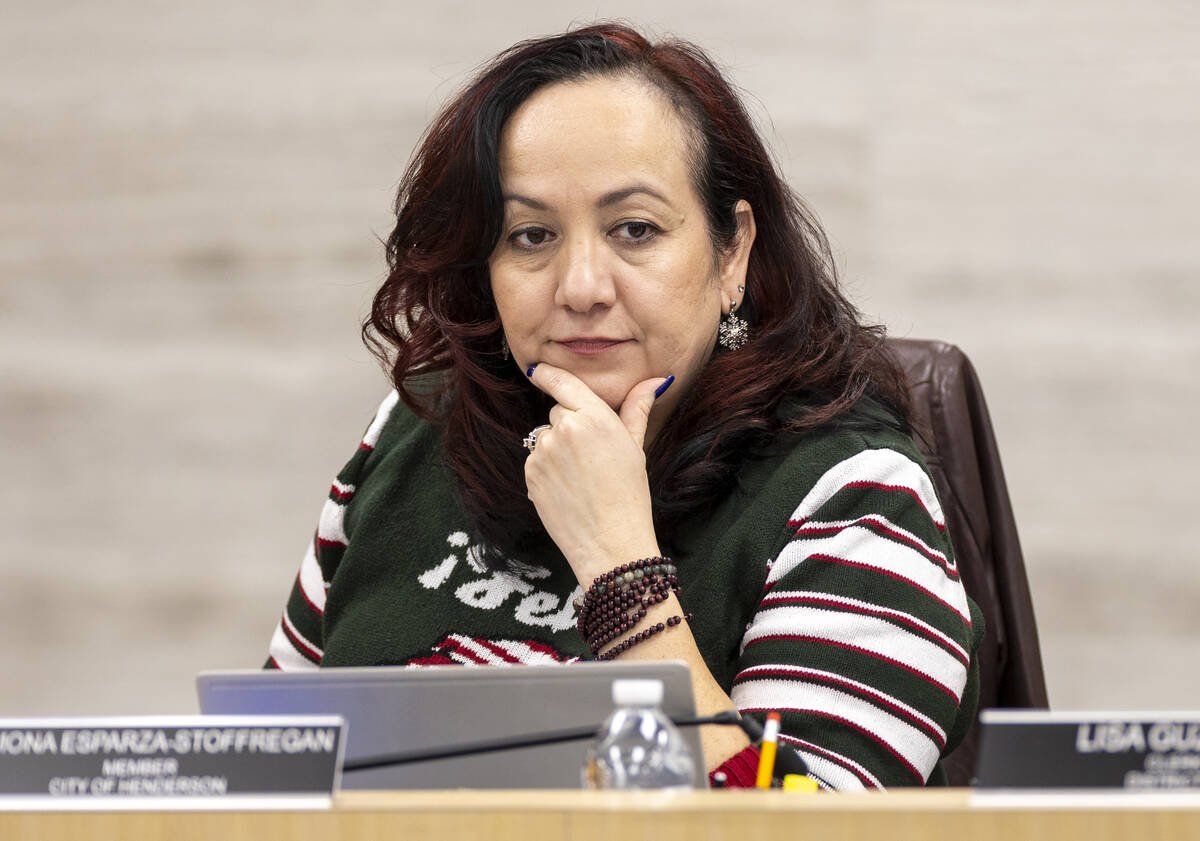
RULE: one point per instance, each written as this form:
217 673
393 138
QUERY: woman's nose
584 280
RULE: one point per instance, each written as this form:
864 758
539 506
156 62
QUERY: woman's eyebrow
618 196
525 200
606 200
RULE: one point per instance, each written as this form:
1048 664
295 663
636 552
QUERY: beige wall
190 196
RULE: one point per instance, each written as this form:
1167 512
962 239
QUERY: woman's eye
529 238
635 232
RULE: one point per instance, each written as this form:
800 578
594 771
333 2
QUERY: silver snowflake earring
733 332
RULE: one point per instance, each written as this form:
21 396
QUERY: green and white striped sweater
823 586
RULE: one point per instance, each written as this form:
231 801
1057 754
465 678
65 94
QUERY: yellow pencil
766 753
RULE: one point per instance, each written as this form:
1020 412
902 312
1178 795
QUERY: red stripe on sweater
883 529
771 601
433 660
498 651
455 646
845 646
300 643
833 559
862 692
863 483
307 600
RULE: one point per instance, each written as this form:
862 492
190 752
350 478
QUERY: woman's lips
590 345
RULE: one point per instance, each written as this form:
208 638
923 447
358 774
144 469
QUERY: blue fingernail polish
529 372
658 392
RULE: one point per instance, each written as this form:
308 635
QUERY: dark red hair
435 314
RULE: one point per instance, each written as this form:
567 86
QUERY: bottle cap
631 692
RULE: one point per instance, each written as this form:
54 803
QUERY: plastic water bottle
638 746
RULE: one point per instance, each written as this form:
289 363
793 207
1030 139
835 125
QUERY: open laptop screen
393 709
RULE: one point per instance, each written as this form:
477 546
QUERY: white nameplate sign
188 762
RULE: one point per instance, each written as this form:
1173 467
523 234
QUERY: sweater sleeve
298 639
863 634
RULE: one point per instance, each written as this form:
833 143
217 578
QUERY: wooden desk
613 816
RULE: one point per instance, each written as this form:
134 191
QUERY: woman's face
605 266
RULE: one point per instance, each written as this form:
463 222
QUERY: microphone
786 760
752 729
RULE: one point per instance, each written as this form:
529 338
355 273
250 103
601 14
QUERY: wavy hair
434 314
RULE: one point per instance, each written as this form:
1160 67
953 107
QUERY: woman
594 256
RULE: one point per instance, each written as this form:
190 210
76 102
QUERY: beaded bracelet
641 636
619 599
612 628
607 589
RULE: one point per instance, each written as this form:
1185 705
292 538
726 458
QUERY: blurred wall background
191 197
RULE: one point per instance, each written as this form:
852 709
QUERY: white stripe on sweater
521 651
887 525
331 528
285 654
915 746
471 653
870 607
526 654
312 580
862 546
371 438
887 467
868 633
784 674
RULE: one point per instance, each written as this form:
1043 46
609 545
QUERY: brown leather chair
954 433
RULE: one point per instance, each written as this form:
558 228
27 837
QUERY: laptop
391 709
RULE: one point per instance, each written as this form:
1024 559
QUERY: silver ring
531 439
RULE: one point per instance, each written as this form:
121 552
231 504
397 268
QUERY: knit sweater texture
823 585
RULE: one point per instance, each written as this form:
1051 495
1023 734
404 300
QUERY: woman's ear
733 263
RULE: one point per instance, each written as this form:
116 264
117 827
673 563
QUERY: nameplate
170 762
1145 751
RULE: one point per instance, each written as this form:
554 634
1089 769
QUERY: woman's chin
612 390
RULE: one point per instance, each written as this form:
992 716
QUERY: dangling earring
504 353
733 332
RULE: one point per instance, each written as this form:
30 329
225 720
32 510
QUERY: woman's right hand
587 474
